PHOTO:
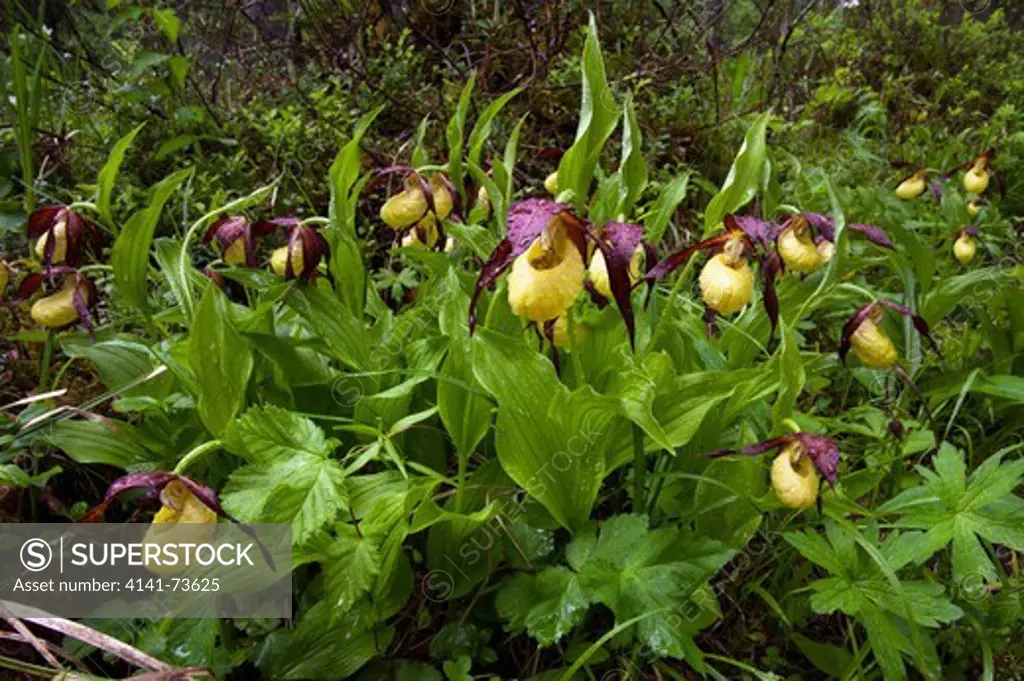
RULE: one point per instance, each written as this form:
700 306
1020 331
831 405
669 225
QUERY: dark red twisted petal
679 258
771 265
758 448
618 243
919 323
824 226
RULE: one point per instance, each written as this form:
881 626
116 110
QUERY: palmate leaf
859 588
953 507
632 570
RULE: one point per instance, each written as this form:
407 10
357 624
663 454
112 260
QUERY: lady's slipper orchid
726 280
914 185
423 235
63 237
547 278
545 248
417 199
71 300
306 248
183 517
796 246
236 239
966 245
976 179
797 469
868 340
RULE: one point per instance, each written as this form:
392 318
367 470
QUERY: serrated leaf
546 605
265 433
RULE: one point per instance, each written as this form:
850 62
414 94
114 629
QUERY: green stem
792 425
195 454
460 487
316 220
44 365
83 204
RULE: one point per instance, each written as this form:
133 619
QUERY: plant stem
44 364
195 454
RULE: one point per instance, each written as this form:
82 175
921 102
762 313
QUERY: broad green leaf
632 167
791 373
548 440
222 361
12 476
657 220
346 263
130 254
108 174
464 408
334 323
482 127
744 176
599 114
455 133
91 442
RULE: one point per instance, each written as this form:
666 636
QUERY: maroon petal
825 226
936 188
875 234
824 452
822 225
851 326
758 448
897 429
757 230
264 227
81 304
153 482
971 231
43 219
618 243
28 286
526 220
771 265
679 258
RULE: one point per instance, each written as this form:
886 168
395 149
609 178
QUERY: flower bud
59 309
964 248
551 183
483 200
182 518
973 209
59 234
598 270
797 248
795 478
871 344
913 186
726 282
546 279
976 179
